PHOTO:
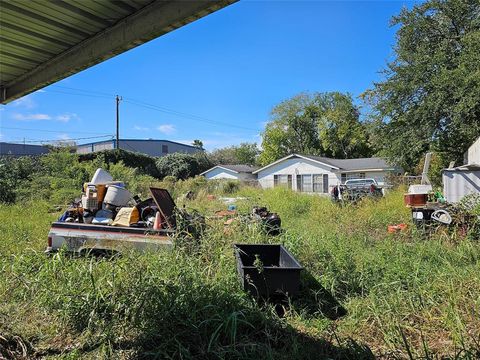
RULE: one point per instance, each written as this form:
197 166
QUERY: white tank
101 177
117 196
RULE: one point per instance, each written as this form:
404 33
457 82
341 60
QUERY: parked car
355 189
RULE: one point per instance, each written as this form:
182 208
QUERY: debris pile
107 202
271 222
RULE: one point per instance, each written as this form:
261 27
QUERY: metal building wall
458 183
473 153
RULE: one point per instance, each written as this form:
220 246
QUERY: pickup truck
355 189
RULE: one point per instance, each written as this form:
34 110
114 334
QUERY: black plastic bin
276 273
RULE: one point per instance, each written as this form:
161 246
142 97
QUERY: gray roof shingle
240 168
353 164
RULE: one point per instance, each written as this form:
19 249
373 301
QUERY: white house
233 172
315 174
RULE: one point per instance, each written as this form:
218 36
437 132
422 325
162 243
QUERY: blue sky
218 78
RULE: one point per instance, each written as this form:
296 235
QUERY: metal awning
43 41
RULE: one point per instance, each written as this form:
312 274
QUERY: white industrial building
149 147
315 174
232 172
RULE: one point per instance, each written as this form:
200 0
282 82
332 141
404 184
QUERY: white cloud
31 117
25 102
35 117
140 128
66 117
64 137
166 129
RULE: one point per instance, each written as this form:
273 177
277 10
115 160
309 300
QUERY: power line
185 115
53 131
59 140
89 93
83 90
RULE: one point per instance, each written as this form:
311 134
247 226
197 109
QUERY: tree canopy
245 154
325 124
430 96
179 165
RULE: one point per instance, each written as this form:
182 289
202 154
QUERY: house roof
235 168
373 163
467 167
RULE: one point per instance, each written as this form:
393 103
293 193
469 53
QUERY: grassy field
366 293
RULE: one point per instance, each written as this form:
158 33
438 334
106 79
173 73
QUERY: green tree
179 165
292 129
325 124
342 135
245 153
198 144
430 96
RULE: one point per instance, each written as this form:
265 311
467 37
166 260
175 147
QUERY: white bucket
117 196
101 177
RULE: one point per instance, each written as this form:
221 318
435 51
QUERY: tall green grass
402 295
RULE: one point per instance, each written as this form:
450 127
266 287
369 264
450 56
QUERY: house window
306 183
312 183
348 176
320 183
164 149
282 180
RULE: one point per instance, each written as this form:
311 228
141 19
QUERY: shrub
14 171
143 163
180 166
230 187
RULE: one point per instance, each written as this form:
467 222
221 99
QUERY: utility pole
117 144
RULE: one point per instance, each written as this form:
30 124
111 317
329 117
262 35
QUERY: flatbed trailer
81 238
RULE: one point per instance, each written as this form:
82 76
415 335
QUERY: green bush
13 172
230 186
143 163
178 165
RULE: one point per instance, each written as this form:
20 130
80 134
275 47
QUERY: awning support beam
150 22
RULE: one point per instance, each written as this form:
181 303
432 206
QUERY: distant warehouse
148 147
14 150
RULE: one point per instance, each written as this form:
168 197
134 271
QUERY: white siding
457 184
221 173
294 167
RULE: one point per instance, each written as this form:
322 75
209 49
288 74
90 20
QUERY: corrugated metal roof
34 32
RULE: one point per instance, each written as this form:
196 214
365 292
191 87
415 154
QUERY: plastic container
89 203
117 196
415 199
267 271
101 177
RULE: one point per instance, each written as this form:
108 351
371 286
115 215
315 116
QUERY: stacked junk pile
107 202
266 271
455 207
